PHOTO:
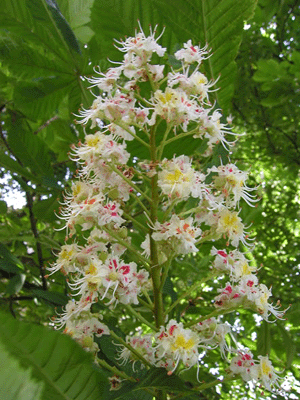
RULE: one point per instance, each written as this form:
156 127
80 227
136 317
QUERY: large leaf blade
15 382
55 359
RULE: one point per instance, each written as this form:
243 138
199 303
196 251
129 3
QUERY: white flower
190 54
99 146
266 373
230 224
67 259
106 82
229 297
110 213
143 345
230 181
175 107
211 128
213 334
196 84
234 261
179 344
244 365
178 179
123 283
142 46
180 234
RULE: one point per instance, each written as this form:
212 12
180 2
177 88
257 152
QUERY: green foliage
15 382
59 364
46 48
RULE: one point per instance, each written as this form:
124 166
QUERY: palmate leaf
37 44
264 339
56 360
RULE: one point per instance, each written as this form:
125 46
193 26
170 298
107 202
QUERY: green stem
83 90
154 86
142 100
115 370
214 383
165 272
215 313
163 142
129 347
134 251
169 209
127 216
140 317
166 77
125 127
192 210
130 183
138 200
189 291
144 303
180 136
156 268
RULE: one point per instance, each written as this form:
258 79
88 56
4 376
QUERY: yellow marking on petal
92 141
265 366
181 343
65 254
246 269
76 189
176 176
166 98
92 270
231 179
231 220
113 276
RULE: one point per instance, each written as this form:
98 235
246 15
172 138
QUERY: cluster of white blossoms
243 287
127 217
258 370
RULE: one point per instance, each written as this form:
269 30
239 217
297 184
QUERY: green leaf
78 12
264 339
42 97
55 298
27 62
169 289
15 382
17 21
289 345
267 71
128 392
15 284
30 149
47 12
56 360
14 167
158 378
9 262
3 207
44 210
155 378
219 23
